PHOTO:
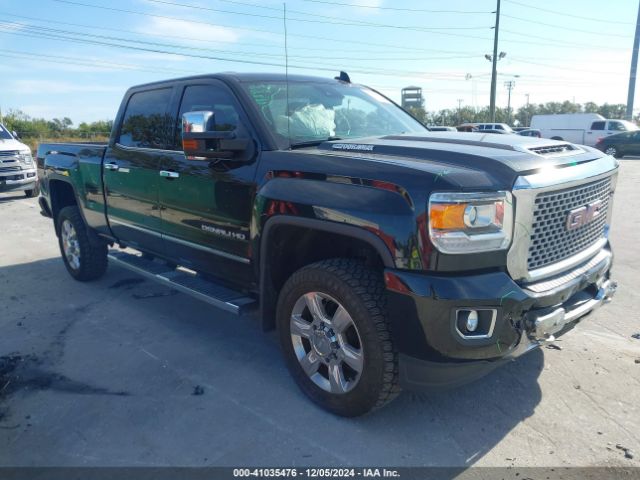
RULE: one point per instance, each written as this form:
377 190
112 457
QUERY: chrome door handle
169 174
111 166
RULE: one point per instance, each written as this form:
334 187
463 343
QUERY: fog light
472 321
475 323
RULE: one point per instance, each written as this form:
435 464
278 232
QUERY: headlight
24 156
470 222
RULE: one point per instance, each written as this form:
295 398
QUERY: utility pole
460 100
634 69
494 73
527 110
510 85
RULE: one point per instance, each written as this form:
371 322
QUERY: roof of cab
241 78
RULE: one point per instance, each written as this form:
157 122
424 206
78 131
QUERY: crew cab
385 255
17 169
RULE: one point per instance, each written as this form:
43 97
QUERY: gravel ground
125 372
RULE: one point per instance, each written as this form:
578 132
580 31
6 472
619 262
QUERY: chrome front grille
551 241
9 153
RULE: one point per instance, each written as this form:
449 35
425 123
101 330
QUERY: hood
12 145
506 154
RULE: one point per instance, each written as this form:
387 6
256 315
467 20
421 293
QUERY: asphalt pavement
124 372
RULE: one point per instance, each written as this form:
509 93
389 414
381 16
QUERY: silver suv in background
17 169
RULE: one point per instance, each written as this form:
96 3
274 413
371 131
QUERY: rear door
207 204
132 169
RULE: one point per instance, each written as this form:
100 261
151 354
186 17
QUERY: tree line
28 127
520 117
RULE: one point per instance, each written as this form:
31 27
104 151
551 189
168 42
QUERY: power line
396 9
564 27
264 45
565 14
334 20
40 29
267 31
556 43
319 67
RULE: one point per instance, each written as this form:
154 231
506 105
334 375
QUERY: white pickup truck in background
581 128
17 169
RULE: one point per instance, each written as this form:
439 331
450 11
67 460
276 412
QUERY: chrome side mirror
198 122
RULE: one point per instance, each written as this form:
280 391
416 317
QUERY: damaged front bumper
436 351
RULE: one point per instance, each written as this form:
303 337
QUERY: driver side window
213 99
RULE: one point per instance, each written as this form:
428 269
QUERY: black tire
557 138
32 193
91 257
361 292
613 151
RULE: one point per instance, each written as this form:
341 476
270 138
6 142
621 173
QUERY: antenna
286 70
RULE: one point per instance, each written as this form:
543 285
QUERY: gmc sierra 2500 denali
385 255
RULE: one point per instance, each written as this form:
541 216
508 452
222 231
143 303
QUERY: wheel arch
62 194
303 241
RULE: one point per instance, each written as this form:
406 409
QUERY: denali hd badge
583 215
352 146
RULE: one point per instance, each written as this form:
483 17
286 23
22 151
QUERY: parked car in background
492 130
494 126
620 144
17 170
467 127
440 128
582 128
530 132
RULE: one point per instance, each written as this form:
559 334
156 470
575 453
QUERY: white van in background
581 128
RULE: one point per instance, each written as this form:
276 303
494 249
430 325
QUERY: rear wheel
335 336
84 260
613 151
556 138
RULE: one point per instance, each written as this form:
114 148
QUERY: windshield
319 111
4 134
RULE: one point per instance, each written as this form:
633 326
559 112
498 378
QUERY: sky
76 58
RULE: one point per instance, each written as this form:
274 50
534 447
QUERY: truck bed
82 164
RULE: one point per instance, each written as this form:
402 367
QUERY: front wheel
335 336
84 260
34 192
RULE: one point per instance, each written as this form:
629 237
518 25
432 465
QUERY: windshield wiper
312 143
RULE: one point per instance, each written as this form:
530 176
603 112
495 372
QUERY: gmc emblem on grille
583 215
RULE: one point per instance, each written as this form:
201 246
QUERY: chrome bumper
23 181
545 326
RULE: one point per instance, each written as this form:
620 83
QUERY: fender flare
268 296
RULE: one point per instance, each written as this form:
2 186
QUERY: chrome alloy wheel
611 151
70 244
326 342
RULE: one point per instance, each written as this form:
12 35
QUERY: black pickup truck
387 256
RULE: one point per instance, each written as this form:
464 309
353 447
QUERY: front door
132 170
206 204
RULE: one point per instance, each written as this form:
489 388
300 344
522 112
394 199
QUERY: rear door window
146 122
597 126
